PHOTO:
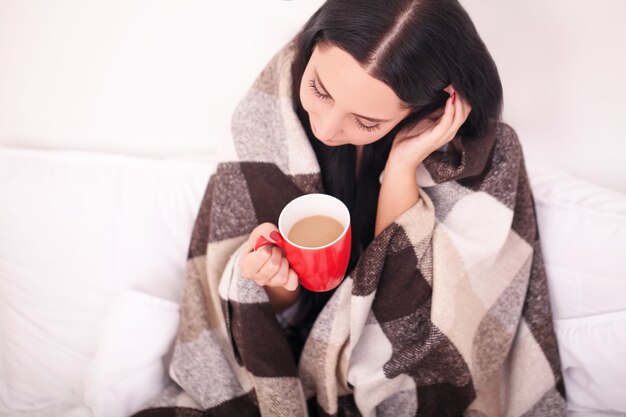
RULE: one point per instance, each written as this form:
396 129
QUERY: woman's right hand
267 266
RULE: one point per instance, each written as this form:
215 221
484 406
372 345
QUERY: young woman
394 108
377 85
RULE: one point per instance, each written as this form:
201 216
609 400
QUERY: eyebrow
370 119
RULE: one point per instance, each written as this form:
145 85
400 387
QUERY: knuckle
281 279
274 262
277 255
269 271
265 253
259 279
267 226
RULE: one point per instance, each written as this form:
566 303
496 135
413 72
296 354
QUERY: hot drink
315 231
315 235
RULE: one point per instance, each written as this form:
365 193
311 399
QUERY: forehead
351 86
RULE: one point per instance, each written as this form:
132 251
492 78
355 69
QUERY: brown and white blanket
446 313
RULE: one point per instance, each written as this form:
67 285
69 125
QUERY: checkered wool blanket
446 313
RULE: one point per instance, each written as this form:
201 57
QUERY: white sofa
111 119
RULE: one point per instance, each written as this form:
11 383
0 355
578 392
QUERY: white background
161 78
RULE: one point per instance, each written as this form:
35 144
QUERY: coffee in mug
315 234
315 231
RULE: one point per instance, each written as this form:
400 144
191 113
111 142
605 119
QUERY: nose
328 126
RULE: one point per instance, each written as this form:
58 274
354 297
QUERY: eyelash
321 96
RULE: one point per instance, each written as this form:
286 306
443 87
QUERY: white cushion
135 336
79 230
593 354
583 235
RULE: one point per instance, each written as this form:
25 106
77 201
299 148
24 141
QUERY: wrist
280 298
399 172
398 192
403 162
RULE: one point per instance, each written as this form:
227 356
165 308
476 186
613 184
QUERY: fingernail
453 97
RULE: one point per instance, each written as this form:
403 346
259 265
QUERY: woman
394 108
419 65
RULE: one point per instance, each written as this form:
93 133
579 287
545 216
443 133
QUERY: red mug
319 268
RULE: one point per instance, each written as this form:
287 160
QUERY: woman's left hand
414 143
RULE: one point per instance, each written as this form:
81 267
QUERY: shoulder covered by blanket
446 313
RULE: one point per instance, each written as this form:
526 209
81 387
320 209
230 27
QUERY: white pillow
135 336
583 234
77 230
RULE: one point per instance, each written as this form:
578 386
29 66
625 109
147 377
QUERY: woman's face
344 103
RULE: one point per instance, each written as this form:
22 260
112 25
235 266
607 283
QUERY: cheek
309 103
370 137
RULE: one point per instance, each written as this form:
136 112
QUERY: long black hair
417 48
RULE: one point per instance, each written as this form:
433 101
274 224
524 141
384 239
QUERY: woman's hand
414 143
268 266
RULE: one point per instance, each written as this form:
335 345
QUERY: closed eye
365 127
317 93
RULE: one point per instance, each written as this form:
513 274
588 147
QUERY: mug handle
275 236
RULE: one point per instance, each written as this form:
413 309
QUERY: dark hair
417 48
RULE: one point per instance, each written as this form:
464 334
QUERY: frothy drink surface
315 231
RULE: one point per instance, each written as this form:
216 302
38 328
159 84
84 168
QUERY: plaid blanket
445 314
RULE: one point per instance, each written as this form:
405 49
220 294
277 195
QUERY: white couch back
162 78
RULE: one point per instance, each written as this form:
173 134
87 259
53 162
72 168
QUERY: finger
442 129
449 89
264 229
467 108
281 277
252 262
459 115
271 267
416 130
463 110
292 281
